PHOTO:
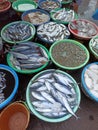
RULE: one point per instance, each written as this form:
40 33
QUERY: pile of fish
18 32
38 17
52 32
2 86
63 15
94 44
91 79
53 94
49 5
83 28
27 56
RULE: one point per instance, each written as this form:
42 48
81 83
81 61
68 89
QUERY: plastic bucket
12 83
15 116
32 27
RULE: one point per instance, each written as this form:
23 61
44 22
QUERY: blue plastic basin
10 76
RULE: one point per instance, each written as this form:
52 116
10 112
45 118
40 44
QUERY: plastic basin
40 2
47 36
93 52
11 84
30 37
66 59
38 114
82 36
29 71
85 81
24 5
5 7
24 16
14 116
61 21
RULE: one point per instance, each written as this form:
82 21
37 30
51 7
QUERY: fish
18 32
38 96
2 86
19 55
35 85
42 104
62 88
52 31
42 88
52 98
83 28
55 114
66 104
46 76
49 5
28 55
91 79
94 45
63 15
62 79
37 17
48 97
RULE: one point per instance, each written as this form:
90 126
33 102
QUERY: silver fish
35 85
42 88
60 97
19 55
52 31
63 15
66 104
94 44
48 97
63 88
38 96
43 110
42 104
18 31
2 86
49 5
28 55
84 28
61 79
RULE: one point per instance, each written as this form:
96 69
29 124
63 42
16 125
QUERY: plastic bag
87 9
